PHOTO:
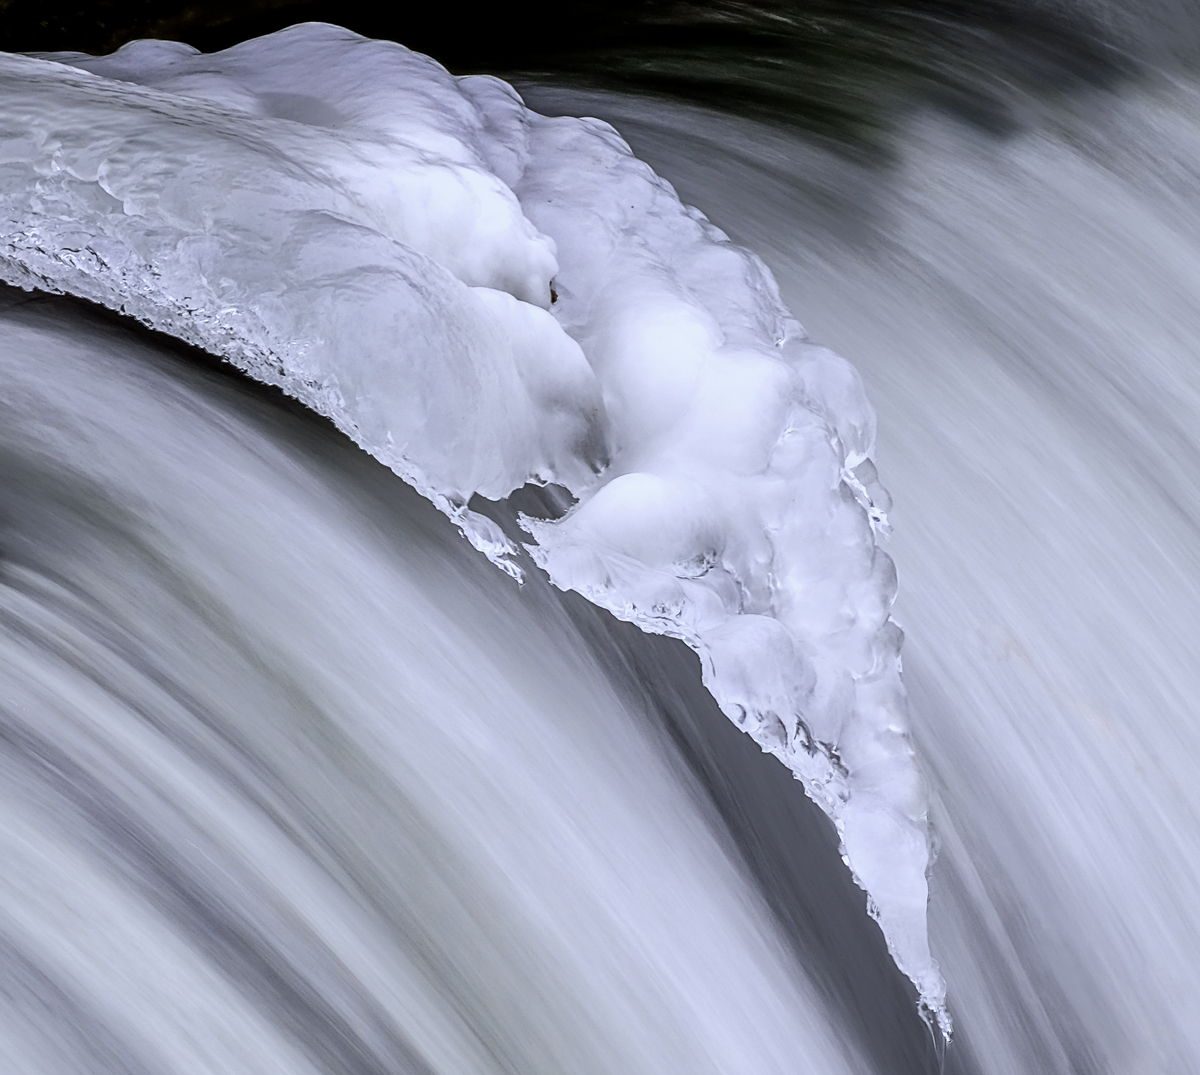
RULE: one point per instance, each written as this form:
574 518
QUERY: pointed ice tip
941 1029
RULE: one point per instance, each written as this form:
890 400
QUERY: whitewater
298 780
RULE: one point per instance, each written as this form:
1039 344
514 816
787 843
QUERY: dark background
840 69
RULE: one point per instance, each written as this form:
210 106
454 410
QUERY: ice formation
483 297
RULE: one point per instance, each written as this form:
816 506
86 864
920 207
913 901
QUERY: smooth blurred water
294 780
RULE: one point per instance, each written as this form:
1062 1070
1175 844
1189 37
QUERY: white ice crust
343 218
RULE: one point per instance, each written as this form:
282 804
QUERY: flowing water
295 781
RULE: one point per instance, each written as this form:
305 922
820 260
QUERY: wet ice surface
1026 318
483 298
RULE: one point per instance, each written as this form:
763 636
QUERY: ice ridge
483 297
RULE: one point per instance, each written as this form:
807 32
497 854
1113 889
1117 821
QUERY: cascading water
297 781
294 781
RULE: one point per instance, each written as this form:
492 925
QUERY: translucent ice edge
483 297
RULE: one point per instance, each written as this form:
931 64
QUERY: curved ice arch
483 297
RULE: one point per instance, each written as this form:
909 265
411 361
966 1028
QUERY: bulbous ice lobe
345 219
347 265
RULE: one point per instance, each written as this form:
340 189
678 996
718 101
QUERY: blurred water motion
293 781
297 781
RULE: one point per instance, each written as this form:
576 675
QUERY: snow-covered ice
482 297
